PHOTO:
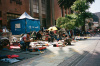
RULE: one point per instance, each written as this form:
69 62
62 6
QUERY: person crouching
26 41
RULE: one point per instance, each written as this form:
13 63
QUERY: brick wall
57 10
12 7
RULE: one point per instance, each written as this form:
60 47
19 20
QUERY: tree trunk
62 11
83 27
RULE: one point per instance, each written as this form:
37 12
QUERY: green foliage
65 3
77 19
65 22
90 1
81 18
72 16
80 6
68 3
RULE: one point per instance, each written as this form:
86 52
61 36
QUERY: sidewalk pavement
62 56
25 55
90 57
93 58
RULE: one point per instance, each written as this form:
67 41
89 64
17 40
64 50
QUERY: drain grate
78 59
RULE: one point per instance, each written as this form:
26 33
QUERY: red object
14 47
47 45
0 18
41 48
12 56
57 45
46 39
15 44
1 30
24 37
55 31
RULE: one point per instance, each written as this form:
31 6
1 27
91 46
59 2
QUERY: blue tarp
19 26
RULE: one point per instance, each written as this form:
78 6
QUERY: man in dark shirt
66 39
64 36
52 35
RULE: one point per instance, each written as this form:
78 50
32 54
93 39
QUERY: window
0 14
0 1
37 9
34 1
10 1
43 1
17 1
0 18
35 6
17 25
12 16
0 23
43 7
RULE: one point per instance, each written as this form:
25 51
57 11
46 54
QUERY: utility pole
40 12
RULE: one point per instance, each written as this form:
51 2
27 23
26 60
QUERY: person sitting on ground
38 35
21 41
66 39
59 36
33 35
26 40
64 36
47 35
55 34
47 32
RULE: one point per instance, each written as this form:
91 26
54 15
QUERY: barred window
17 1
12 16
0 14
35 6
43 7
0 1
17 25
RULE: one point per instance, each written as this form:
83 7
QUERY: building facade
11 9
98 17
46 10
53 12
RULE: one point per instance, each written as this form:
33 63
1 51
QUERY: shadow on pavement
84 59
27 56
